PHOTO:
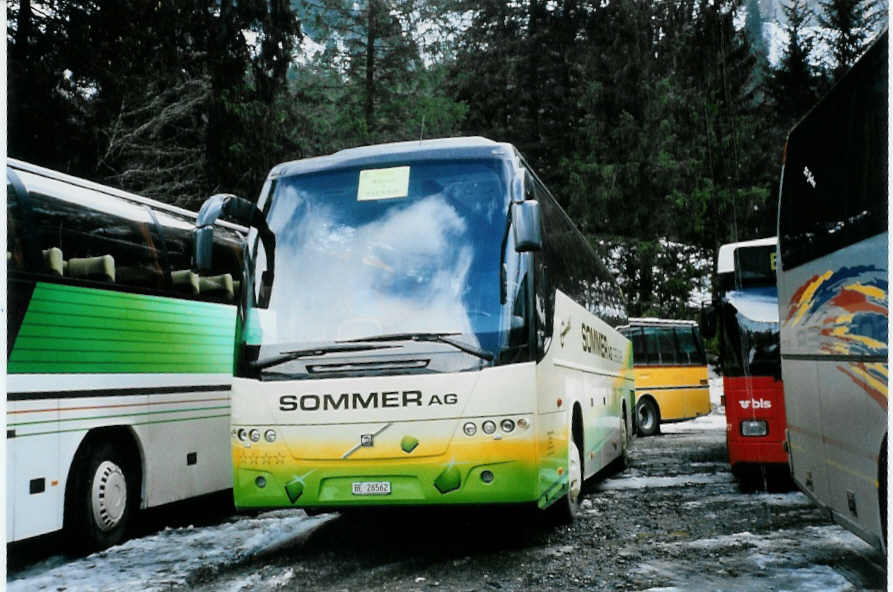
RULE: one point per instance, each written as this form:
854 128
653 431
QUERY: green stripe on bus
115 336
97 417
77 329
131 424
133 308
55 344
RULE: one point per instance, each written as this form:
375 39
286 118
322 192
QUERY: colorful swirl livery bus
833 298
422 325
119 357
670 372
746 308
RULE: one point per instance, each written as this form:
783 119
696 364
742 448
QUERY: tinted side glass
651 345
95 238
834 188
223 283
638 339
15 247
573 265
667 345
690 350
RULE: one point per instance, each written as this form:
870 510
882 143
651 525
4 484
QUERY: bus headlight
754 427
270 436
523 423
242 434
254 435
507 425
488 427
470 429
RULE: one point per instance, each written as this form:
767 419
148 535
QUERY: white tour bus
422 325
119 357
833 298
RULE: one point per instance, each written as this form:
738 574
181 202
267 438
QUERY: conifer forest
659 125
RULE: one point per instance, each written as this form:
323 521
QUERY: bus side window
223 283
15 247
177 233
81 241
689 350
666 346
651 345
638 339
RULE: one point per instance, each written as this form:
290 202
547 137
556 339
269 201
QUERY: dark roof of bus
655 322
384 154
111 191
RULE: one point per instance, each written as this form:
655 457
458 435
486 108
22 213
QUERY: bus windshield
749 321
416 249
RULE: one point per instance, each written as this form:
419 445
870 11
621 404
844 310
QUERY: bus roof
725 260
651 321
383 154
112 191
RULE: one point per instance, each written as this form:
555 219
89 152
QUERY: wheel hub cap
575 473
645 418
109 495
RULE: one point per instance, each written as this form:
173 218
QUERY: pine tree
848 23
372 45
794 83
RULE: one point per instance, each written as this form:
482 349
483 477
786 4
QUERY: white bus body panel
48 432
836 410
576 371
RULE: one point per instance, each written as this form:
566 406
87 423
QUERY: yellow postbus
670 372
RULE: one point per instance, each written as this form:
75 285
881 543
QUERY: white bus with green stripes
422 324
119 357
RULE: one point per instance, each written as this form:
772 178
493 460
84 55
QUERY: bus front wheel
101 499
648 416
566 509
623 459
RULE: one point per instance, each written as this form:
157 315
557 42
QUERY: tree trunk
370 66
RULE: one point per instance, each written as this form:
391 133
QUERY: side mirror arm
243 211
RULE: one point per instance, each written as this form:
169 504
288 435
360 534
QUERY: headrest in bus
102 268
186 280
218 284
52 260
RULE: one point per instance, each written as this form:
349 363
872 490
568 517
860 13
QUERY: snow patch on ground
168 558
655 482
714 421
780 560
788 500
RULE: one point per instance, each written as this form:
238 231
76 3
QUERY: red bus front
755 420
746 309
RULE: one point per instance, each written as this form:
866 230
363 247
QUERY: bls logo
755 404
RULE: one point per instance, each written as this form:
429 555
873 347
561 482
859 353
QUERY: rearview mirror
244 212
528 226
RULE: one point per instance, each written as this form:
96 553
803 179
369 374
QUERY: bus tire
623 459
566 509
101 500
648 417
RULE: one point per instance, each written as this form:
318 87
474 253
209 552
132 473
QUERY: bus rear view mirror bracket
244 212
528 226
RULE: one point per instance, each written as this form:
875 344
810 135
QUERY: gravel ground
674 520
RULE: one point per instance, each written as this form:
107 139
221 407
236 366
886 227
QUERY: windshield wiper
288 356
431 337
